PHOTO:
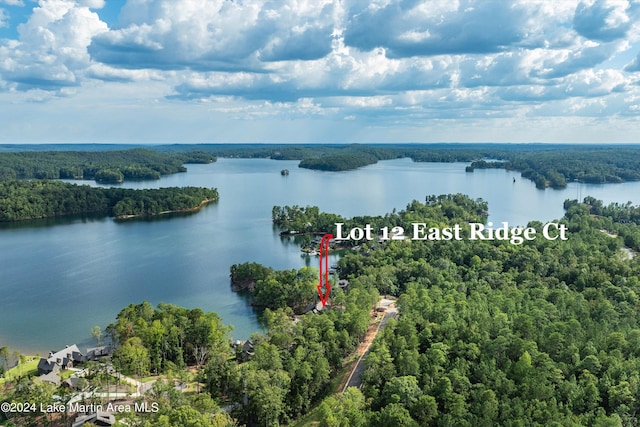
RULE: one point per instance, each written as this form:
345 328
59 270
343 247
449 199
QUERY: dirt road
355 376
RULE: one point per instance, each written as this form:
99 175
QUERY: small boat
284 172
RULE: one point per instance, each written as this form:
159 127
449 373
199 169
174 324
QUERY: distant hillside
103 166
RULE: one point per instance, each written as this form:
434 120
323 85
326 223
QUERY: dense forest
287 370
555 167
102 166
24 200
341 162
544 333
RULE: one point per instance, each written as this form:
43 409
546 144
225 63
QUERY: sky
329 71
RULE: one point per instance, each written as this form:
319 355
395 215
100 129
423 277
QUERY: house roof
51 377
60 358
45 365
72 382
70 352
248 347
95 352
99 418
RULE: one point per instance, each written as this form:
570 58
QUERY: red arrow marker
324 259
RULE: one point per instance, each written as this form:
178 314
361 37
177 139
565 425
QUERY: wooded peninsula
35 199
39 197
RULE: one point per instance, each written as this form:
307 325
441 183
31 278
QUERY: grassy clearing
30 367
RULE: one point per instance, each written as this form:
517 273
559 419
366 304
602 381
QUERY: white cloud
106 73
217 35
590 83
52 47
604 20
408 28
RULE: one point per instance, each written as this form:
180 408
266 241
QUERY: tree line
25 200
556 166
273 289
102 166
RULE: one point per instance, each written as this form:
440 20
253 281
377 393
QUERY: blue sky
165 71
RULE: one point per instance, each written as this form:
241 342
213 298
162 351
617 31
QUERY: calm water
61 277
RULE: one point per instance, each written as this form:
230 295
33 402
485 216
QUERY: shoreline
106 214
186 210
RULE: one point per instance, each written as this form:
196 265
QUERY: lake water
58 278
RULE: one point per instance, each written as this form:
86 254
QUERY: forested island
488 333
36 199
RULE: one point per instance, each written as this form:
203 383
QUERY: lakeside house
63 359
51 377
244 349
94 353
49 368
